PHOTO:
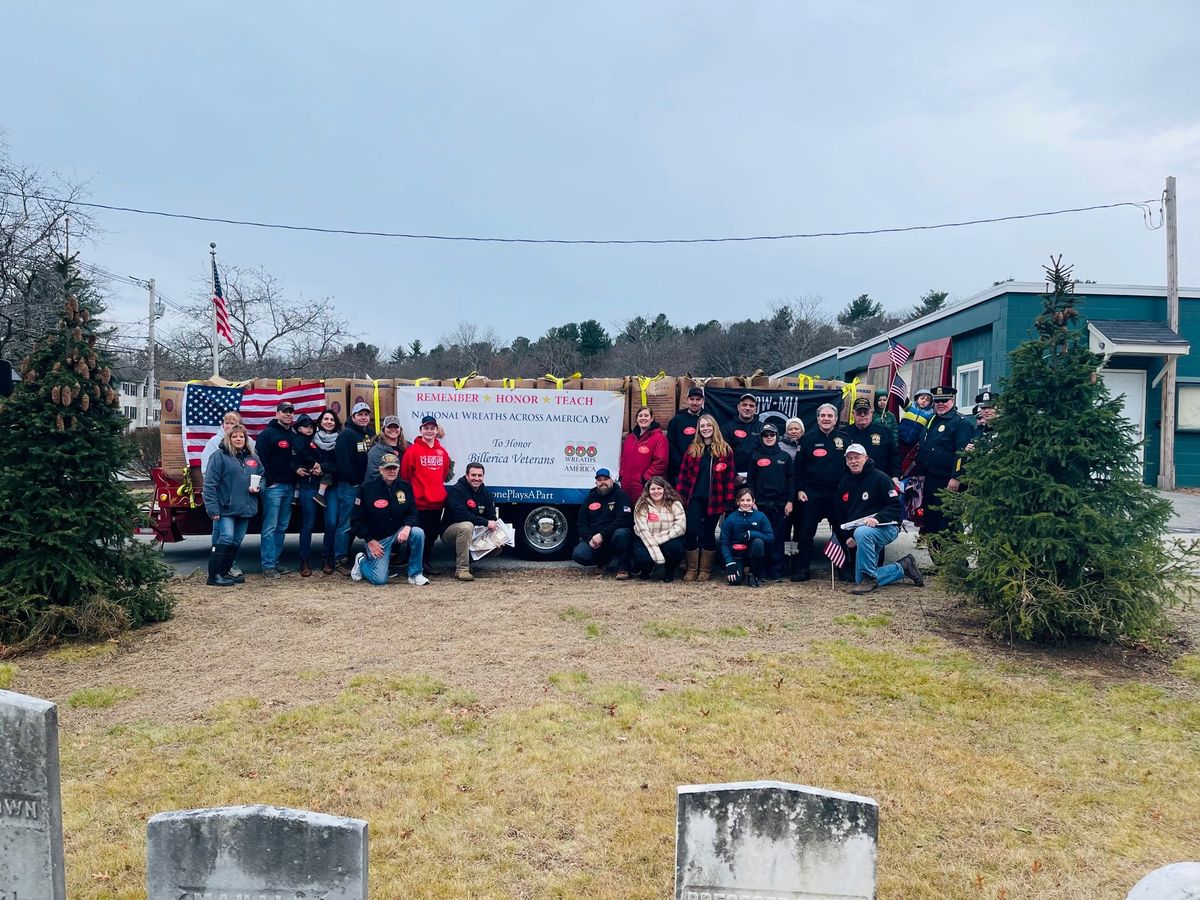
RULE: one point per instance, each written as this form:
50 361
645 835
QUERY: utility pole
150 388
1166 467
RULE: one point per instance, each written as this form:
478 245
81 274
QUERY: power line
1139 204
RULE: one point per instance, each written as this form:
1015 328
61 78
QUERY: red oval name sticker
471 503
763 463
738 433
651 517
689 430
846 497
593 506
643 449
719 467
252 463
282 444
380 504
820 451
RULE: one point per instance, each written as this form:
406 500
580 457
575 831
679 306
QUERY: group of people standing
377 488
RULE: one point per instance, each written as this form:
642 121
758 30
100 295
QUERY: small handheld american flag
899 389
898 352
835 551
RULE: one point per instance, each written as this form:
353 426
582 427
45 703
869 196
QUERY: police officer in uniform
772 481
879 440
939 458
985 402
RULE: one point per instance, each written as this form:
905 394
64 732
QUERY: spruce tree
68 562
1055 533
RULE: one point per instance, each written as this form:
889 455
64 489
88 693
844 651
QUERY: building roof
1004 287
1137 332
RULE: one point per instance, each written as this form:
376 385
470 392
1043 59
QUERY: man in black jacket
274 448
469 505
681 431
605 527
939 459
879 441
384 515
350 451
741 433
819 468
772 481
868 502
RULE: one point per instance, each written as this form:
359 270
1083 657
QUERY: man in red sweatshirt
427 467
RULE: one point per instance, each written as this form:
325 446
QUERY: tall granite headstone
31 846
768 840
255 853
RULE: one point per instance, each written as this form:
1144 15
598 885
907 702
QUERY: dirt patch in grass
299 641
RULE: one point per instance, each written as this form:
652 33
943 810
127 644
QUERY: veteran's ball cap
770 429
391 420
428 420
747 396
284 406
856 448
695 392
862 403
944 392
603 473
360 407
389 461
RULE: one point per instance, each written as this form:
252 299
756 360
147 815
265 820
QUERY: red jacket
721 481
642 457
427 469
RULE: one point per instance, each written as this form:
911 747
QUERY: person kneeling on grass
469 505
605 527
659 522
384 515
869 503
745 536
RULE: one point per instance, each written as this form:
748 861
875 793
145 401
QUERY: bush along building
967 345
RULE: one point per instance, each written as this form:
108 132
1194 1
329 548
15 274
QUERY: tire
544 531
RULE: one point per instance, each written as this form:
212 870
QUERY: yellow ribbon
849 389
805 382
417 381
509 383
279 384
559 382
375 403
644 382
460 383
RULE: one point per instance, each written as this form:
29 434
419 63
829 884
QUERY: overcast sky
648 119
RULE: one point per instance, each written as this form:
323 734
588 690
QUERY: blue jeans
308 518
329 542
345 505
276 513
230 531
869 541
376 570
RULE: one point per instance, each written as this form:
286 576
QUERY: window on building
131 413
968 379
1188 398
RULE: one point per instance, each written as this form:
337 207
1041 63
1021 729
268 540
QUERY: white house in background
139 408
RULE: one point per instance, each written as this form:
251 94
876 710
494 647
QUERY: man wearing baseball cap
351 450
741 433
605 527
279 477
681 430
869 504
879 441
385 517
939 459
427 466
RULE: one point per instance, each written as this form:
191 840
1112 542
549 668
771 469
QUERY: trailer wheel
543 532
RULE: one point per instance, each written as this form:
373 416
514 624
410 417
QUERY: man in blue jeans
867 515
351 451
385 516
274 448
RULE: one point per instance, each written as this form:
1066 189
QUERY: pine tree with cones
68 562
1055 533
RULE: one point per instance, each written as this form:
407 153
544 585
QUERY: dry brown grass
502 746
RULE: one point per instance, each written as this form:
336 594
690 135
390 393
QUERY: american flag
835 551
899 389
898 352
204 406
220 309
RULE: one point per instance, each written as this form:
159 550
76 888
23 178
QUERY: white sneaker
418 580
356 572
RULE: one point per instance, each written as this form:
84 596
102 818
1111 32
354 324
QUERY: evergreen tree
859 309
1055 534
68 562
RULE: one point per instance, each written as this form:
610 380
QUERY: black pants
431 524
817 508
752 558
672 552
701 527
779 523
933 519
617 548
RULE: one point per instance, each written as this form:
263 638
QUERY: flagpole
212 252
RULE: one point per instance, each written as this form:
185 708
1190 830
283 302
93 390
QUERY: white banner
536 446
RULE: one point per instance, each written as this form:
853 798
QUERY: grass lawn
522 736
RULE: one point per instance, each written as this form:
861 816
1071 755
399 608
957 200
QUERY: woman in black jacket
324 440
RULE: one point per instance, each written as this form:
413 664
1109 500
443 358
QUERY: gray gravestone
1178 881
31 849
255 853
768 840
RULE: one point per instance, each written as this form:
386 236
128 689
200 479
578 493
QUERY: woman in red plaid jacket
706 485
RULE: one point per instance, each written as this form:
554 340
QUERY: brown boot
706 561
693 565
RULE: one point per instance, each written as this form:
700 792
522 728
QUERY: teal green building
967 345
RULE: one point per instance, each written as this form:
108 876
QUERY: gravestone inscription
768 840
31 848
255 853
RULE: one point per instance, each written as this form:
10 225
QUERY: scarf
325 439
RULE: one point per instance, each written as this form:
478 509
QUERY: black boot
799 569
235 575
218 561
